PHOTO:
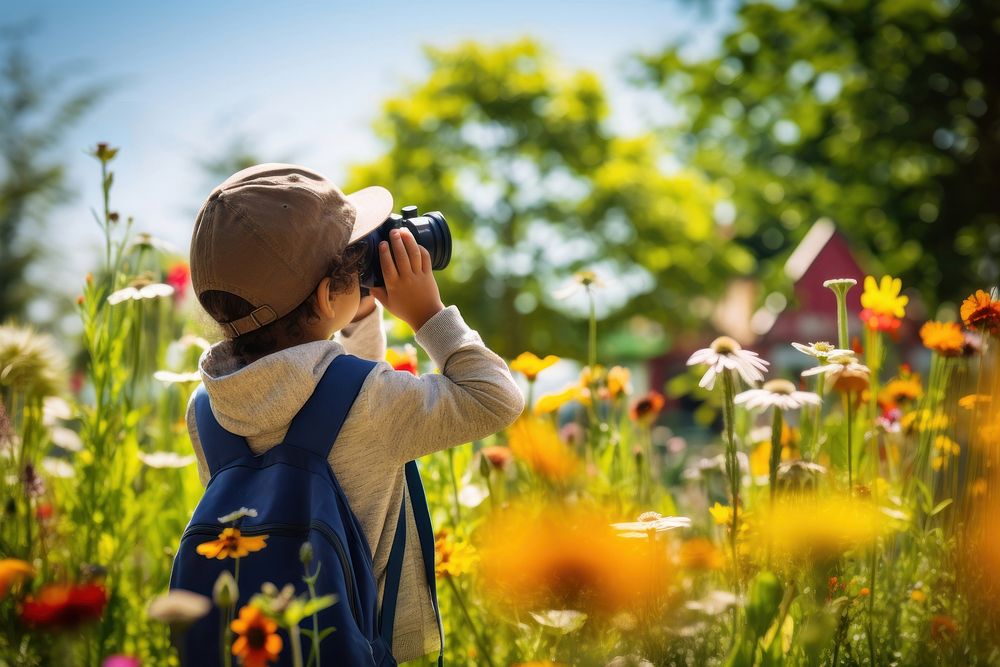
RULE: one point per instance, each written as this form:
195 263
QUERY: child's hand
410 291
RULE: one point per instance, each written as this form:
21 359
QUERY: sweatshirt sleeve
366 337
203 473
473 396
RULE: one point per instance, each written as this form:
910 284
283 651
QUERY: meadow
840 517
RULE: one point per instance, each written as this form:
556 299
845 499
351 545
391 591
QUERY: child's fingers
413 250
389 272
399 252
425 255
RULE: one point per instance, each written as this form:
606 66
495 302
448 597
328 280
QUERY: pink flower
177 277
121 661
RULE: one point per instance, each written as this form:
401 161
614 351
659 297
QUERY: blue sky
302 80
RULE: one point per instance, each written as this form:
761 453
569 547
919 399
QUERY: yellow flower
818 529
906 387
945 338
924 420
883 298
969 402
721 514
760 457
452 558
12 572
231 544
537 443
917 595
552 402
565 557
531 365
257 642
618 381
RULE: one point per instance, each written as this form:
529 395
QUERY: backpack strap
425 534
318 422
219 445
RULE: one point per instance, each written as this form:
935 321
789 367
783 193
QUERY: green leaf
940 506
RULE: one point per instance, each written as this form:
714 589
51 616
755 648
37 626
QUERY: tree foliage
518 154
881 114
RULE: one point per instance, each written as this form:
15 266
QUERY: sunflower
944 338
979 311
257 642
231 544
531 365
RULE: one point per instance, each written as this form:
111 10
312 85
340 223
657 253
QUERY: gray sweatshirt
397 417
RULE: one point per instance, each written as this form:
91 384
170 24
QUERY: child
272 262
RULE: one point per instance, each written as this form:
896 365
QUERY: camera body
430 231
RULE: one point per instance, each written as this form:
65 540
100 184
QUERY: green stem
850 443
732 465
776 424
592 339
296 640
468 619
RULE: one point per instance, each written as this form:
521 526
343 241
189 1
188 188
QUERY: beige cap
269 232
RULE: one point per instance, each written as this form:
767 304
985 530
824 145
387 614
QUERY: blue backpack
298 499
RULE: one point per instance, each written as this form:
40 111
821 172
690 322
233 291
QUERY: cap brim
374 204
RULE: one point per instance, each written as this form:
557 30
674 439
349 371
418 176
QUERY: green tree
517 152
883 115
35 115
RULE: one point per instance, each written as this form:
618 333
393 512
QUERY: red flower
64 606
880 321
178 277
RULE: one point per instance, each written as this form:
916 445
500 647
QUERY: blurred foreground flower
537 444
649 524
405 360
818 529
64 605
151 291
726 354
30 362
646 409
166 459
945 338
980 311
567 558
530 365
13 572
552 402
179 608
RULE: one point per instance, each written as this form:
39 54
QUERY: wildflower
618 381
121 660
843 373
104 153
537 444
799 475
821 350
780 394
883 298
13 572
451 557
178 277
700 554
819 529
943 628
64 605
880 321
225 592
498 456
178 608
530 365
721 514
980 311
150 291
166 459
646 409
405 361
714 604
238 514
924 420
944 448
969 402
30 362
231 544
582 280
917 595
257 642
726 354
274 602
563 620
651 523
865 592
67 439
906 387
169 377
945 338
57 467
552 402
560 557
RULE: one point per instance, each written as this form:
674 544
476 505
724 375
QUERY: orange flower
979 311
646 408
231 544
945 338
943 628
537 444
618 381
498 456
969 402
12 572
451 557
258 642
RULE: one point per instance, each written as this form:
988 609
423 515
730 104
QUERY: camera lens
430 231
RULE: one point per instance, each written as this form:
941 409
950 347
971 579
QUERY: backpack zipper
290 531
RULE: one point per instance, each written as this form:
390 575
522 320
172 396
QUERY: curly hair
226 307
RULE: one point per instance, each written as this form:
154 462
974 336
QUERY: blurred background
711 162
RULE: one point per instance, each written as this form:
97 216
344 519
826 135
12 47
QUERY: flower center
779 386
649 517
724 345
256 637
823 346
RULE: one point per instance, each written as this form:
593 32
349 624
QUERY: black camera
430 231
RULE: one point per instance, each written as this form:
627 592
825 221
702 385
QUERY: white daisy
57 467
169 377
726 354
779 394
166 459
151 291
821 350
582 280
842 372
650 523
66 438
563 620
238 514
54 409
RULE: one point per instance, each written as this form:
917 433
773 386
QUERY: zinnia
944 338
979 311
